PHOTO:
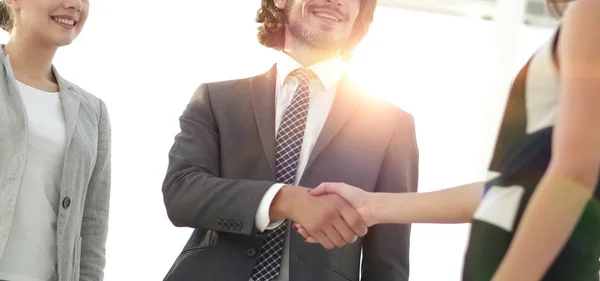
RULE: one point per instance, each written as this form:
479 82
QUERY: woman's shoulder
87 100
579 40
582 16
582 7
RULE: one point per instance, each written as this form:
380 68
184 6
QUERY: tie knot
304 74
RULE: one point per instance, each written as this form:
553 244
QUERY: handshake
332 214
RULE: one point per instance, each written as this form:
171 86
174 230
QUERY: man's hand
358 198
328 219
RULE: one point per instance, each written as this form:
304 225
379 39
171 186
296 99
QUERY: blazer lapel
344 105
263 101
70 100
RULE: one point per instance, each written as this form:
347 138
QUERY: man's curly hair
271 33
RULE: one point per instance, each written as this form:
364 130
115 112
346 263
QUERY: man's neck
30 60
308 55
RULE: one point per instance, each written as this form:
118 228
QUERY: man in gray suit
249 149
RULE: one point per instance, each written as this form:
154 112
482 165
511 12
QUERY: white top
30 253
322 95
542 89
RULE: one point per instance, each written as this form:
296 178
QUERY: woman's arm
94 228
556 206
452 205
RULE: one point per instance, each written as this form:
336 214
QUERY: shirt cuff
262 219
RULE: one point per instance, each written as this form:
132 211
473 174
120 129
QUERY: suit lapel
70 101
263 102
344 105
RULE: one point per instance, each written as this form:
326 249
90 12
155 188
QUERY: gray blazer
223 161
82 222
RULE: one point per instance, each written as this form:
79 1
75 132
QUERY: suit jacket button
251 252
238 225
66 202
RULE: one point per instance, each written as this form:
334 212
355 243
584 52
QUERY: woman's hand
356 197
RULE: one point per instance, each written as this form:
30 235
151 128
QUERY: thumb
320 190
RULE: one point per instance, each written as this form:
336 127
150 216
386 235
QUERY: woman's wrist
373 213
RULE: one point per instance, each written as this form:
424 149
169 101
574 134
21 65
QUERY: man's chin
327 41
327 46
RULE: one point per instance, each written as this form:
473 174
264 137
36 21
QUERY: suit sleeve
386 246
194 193
94 228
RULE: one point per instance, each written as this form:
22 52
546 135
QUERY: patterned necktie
288 146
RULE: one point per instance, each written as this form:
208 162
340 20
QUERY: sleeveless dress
521 156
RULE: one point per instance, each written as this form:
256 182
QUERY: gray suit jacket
82 223
223 161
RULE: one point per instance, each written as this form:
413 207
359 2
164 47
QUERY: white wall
445 70
145 58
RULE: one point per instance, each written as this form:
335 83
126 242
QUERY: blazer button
219 223
66 202
251 252
238 225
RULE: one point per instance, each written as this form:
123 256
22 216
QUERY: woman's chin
64 42
60 41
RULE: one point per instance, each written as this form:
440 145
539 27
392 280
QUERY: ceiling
537 12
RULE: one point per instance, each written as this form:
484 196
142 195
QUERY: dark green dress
521 157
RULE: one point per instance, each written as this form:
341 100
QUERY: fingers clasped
339 223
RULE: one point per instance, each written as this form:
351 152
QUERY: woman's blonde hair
6 17
558 6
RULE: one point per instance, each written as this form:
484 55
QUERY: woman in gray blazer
54 151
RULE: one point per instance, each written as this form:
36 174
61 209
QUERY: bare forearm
538 240
453 205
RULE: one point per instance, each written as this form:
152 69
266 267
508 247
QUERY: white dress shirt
30 253
322 95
